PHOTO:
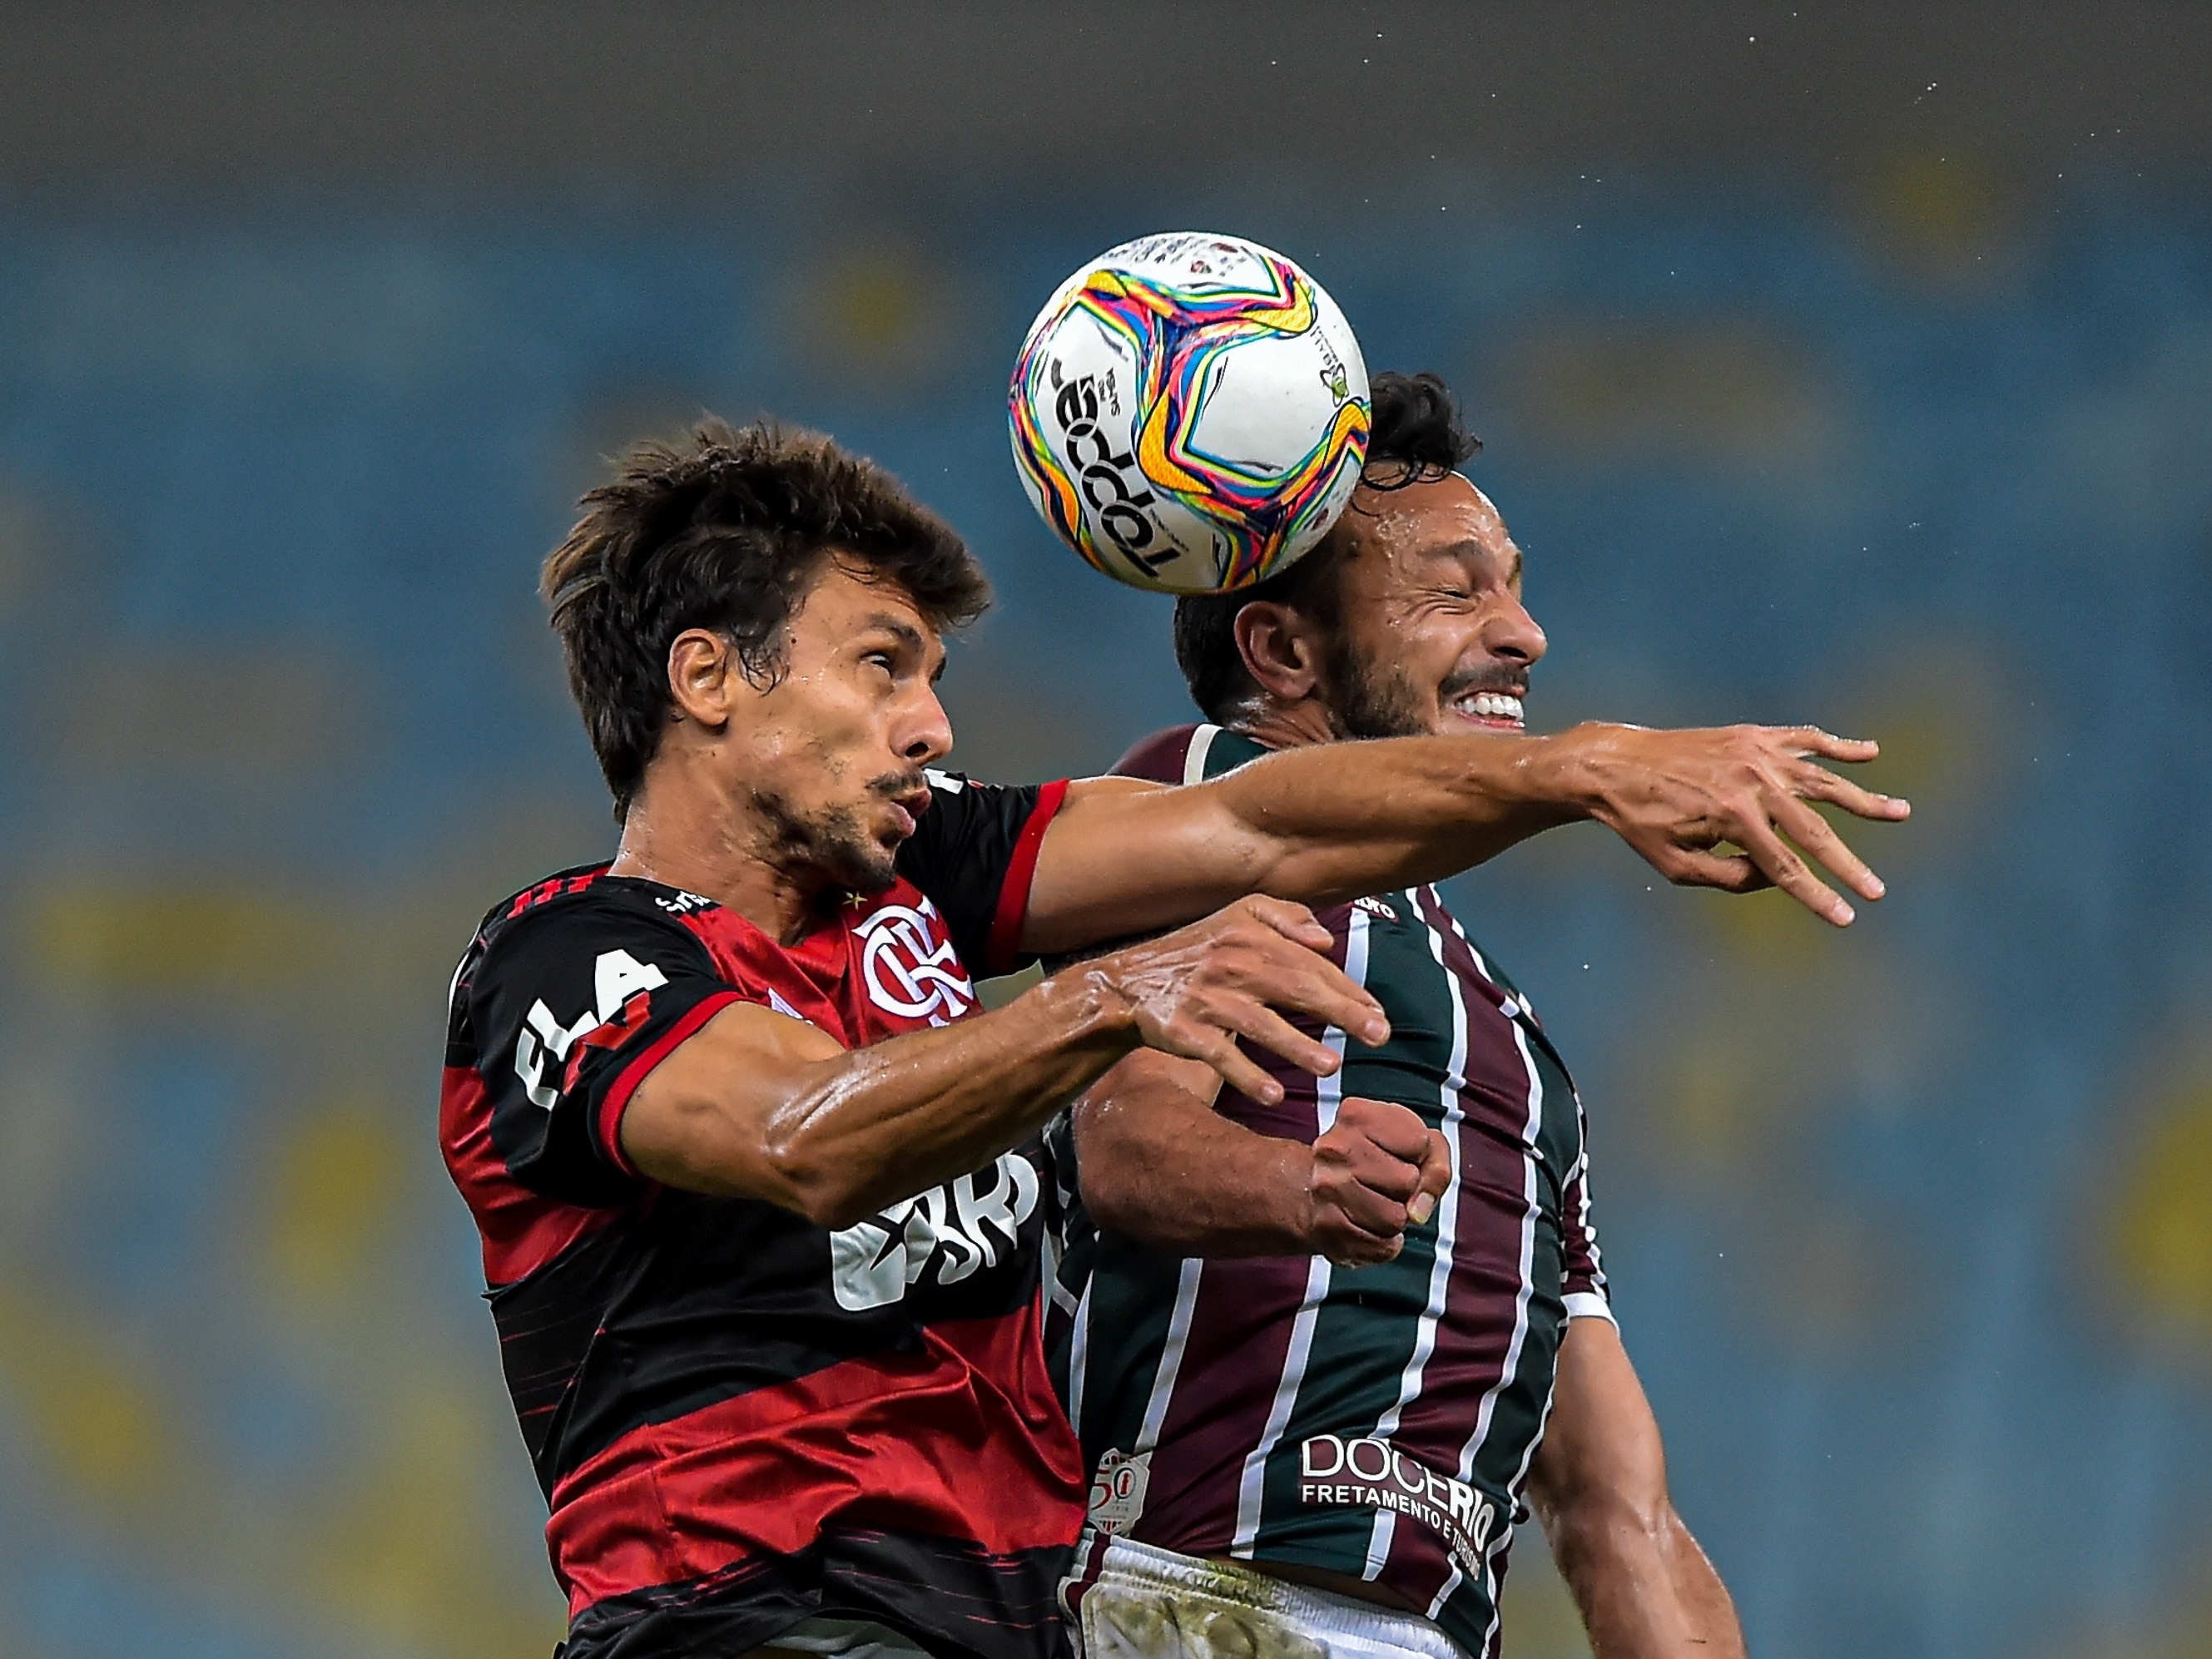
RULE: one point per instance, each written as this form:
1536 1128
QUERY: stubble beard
1368 700
834 843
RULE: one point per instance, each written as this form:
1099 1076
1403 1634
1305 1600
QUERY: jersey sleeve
1583 1283
573 1006
973 856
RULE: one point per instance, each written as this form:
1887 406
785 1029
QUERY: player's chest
1464 1042
878 967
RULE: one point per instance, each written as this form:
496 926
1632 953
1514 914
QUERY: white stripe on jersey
1170 1367
1512 1365
1425 1339
1250 1487
1193 758
1328 1091
1078 1356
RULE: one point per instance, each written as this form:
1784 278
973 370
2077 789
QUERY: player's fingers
1290 918
1818 783
1818 837
1360 1204
1781 866
1812 740
1349 1247
1240 1017
1238 1070
1302 983
1731 872
1394 1178
1436 1177
1396 1129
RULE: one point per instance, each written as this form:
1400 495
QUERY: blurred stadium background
1846 364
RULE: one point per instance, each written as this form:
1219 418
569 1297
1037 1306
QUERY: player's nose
923 735
1511 633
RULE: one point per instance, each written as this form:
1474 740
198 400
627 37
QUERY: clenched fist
1377 1171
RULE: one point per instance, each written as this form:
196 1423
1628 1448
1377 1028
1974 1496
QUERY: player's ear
1281 652
703 676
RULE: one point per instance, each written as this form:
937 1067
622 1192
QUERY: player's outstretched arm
1159 1163
757 1104
1599 1486
1332 820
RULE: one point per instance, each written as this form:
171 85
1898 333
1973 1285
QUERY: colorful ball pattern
1189 412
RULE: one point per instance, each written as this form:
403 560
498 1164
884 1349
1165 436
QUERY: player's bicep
708 1118
1126 856
1601 1448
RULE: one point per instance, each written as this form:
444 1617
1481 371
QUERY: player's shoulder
1158 758
1187 754
587 900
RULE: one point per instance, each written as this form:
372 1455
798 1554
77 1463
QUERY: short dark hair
726 531
1416 436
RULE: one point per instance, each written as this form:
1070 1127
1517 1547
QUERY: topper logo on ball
1075 409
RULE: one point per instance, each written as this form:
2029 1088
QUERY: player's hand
1676 797
1378 1170
1197 991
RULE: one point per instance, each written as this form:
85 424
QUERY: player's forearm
1159 1165
1644 1587
1318 824
875 1124
1340 820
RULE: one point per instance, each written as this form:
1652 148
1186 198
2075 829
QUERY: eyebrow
906 632
907 636
1469 545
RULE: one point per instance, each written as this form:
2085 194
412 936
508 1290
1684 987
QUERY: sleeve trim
1013 910
616 1098
1589 1304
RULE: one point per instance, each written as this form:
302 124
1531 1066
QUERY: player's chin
869 864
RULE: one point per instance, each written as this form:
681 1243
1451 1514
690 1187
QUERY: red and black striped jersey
741 1420
1376 1422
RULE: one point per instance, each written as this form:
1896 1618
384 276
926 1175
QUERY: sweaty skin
774 794
1431 637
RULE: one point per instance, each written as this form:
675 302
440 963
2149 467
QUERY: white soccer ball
1189 412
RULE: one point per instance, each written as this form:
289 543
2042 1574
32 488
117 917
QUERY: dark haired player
756 1181
1348 1414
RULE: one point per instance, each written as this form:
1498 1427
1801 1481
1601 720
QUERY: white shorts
1151 1603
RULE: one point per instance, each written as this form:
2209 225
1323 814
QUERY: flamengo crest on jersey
911 972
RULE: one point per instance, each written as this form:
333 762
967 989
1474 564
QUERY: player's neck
704 844
1285 725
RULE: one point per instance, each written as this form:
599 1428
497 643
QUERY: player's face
1433 636
832 755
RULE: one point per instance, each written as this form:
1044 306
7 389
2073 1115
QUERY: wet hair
727 530
1416 437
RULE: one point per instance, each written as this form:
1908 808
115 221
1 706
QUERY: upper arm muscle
1602 1443
1125 856
705 1119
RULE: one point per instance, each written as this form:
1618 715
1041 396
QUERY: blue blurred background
1850 367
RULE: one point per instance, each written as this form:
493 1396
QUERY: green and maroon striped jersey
1374 1421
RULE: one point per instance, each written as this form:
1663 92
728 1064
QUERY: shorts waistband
1320 1612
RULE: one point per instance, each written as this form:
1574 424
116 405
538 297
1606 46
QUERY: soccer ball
1189 412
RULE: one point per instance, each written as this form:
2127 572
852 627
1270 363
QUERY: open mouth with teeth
1494 711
